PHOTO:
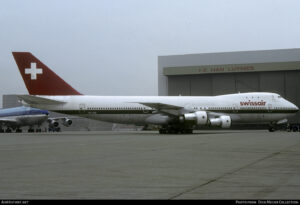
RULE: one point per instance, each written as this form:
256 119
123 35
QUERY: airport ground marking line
233 171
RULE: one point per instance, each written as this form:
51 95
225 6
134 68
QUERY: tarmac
219 164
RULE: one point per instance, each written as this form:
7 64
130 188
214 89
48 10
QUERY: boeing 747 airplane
17 117
174 114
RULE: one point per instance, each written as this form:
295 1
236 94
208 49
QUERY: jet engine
53 123
200 117
222 121
67 122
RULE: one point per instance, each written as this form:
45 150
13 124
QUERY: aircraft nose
294 107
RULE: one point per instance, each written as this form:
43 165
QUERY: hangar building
212 74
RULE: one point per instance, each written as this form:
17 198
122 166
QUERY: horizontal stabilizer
31 99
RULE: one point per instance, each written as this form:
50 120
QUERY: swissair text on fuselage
253 103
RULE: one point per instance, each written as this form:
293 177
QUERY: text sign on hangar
253 67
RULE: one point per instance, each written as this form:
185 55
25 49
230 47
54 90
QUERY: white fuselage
253 107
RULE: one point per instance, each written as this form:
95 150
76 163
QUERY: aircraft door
82 107
270 107
235 108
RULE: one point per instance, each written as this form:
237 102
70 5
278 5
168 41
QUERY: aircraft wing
164 108
32 99
174 110
160 106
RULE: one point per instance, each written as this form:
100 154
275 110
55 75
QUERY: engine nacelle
200 117
223 121
158 119
53 123
67 122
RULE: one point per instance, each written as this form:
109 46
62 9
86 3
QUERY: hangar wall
256 71
283 82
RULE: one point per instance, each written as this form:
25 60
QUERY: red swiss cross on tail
39 79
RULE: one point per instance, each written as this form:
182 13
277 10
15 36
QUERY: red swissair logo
253 103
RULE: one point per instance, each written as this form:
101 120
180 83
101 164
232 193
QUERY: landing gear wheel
271 129
8 130
30 130
162 131
175 131
188 131
18 130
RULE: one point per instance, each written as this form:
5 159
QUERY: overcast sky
110 47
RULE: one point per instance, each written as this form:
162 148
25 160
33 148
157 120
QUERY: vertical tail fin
39 79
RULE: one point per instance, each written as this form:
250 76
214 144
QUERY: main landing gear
173 130
19 130
7 130
271 129
36 130
10 130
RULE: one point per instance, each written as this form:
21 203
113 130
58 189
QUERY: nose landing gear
290 127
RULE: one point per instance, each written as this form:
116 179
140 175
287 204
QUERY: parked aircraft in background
174 114
18 117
